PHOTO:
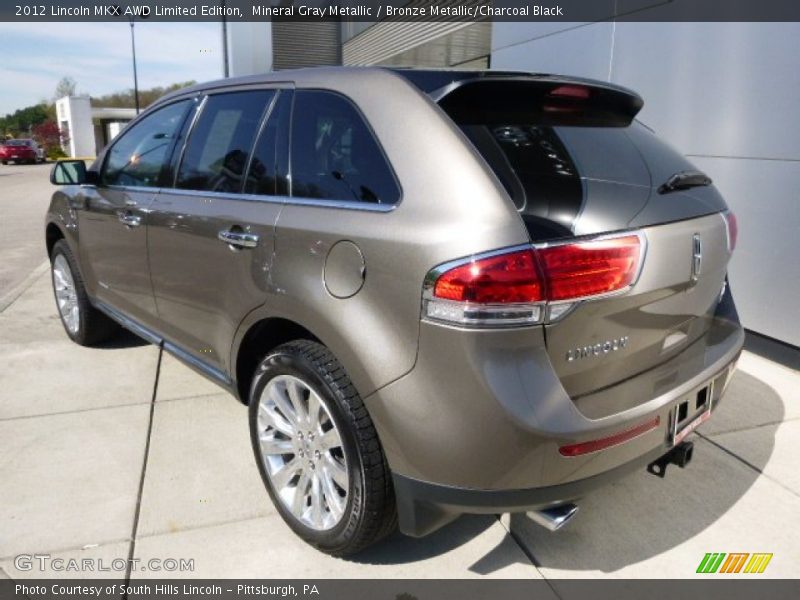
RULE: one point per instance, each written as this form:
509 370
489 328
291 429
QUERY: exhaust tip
555 517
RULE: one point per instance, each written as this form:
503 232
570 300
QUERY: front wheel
83 323
318 451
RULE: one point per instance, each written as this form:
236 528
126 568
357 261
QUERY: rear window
543 147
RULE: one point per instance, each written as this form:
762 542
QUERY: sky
36 56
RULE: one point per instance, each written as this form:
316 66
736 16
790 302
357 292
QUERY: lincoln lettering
598 349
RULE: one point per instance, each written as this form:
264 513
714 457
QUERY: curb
9 298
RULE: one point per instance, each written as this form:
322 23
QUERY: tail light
733 229
517 286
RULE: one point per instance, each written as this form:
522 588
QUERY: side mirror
72 172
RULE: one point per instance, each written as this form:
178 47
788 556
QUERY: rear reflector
512 288
608 442
733 229
590 268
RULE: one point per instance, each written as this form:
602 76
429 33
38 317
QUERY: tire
5 162
354 511
84 324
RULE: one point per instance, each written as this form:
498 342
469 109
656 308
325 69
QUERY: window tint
220 143
137 157
266 175
334 154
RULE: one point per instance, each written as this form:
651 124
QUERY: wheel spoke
296 398
330 440
336 471
300 495
282 402
282 477
272 418
271 445
313 411
333 499
316 501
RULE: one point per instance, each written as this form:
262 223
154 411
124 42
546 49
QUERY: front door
211 236
113 221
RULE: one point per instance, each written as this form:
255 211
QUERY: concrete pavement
25 192
80 480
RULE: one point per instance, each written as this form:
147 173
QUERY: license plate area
691 412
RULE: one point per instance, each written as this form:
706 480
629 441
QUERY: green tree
125 98
21 122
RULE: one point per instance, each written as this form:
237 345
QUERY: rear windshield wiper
683 180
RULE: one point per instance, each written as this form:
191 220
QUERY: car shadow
400 549
122 340
633 519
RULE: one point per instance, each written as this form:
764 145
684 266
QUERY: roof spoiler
546 100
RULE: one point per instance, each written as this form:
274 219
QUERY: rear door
577 167
211 235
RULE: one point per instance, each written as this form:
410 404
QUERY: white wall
76 111
726 94
249 48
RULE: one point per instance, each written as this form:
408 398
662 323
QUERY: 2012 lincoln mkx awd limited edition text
439 292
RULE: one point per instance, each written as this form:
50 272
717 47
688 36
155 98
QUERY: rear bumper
424 507
477 425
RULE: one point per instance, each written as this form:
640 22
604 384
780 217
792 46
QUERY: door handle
129 219
238 239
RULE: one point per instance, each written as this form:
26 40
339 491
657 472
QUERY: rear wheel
318 452
83 323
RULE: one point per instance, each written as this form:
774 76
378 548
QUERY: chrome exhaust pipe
555 517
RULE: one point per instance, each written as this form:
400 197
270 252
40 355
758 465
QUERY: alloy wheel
66 294
302 451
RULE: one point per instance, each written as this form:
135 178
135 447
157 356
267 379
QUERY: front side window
137 158
334 155
220 143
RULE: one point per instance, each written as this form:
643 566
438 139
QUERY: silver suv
438 292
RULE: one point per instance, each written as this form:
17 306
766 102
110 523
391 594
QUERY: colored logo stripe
713 562
758 563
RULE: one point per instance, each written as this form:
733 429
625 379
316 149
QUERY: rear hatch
577 165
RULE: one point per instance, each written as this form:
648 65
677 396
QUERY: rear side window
137 158
334 155
219 146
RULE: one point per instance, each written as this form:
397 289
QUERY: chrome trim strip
287 200
343 204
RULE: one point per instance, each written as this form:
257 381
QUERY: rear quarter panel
451 207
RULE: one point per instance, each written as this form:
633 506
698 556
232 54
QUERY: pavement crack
136 515
526 551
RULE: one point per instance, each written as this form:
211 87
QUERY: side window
220 143
136 159
334 154
267 175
